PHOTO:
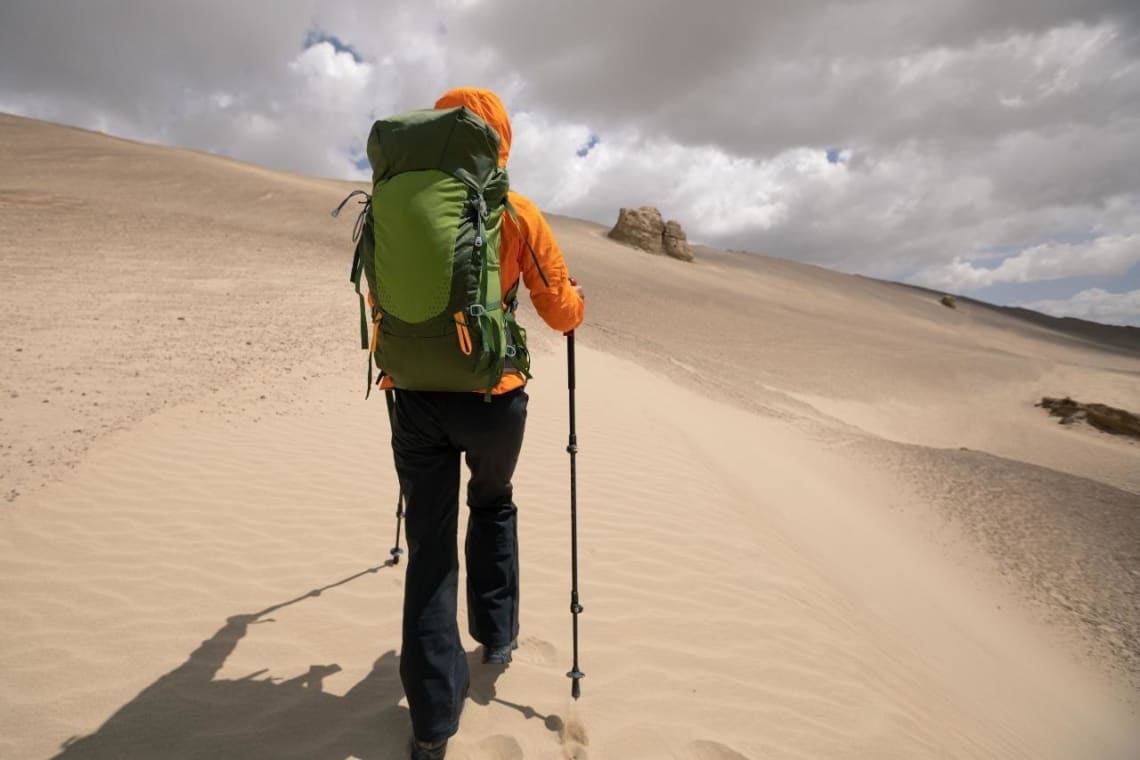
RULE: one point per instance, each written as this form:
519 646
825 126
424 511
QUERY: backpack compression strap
357 271
354 274
487 302
516 345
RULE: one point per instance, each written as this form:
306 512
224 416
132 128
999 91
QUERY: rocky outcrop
676 244
642 228
645 228
1107 418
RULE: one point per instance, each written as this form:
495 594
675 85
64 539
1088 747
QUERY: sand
820 515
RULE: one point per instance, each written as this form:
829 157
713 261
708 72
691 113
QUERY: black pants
429 432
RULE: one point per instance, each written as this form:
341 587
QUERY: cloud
823 74
316 37
1094 304
1105 255
714 193
923 141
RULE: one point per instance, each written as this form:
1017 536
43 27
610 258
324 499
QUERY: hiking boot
429 750
499 655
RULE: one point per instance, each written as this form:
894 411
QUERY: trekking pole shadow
552 722
482 691
318 591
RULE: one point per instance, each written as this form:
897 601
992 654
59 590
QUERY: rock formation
1107 418
644 228
676 244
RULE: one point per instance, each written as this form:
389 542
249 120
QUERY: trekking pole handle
570 383
570 333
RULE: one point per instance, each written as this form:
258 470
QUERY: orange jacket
555 299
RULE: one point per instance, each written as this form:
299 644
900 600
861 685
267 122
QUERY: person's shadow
188 714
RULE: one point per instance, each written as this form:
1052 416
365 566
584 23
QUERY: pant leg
433 667
492 436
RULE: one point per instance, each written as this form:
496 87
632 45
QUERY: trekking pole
396 551
575 674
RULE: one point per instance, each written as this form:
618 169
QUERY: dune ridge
820 515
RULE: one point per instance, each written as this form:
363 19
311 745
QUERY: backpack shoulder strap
526 240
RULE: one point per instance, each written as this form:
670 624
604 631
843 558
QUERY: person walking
431 432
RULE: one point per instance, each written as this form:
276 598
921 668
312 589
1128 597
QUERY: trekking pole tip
575 687
396 552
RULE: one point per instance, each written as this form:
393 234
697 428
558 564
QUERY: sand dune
820 516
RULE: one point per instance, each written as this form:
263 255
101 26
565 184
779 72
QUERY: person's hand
577 289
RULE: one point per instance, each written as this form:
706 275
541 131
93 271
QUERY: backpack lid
453 140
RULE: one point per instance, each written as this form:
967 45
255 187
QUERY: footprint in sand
499 747
537 652
572 735
706 750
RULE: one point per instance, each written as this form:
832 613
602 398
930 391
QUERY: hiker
430 431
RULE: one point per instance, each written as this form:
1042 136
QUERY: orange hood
487 106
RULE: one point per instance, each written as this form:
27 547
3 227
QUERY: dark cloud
126 54
754 76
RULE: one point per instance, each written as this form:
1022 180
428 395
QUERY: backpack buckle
477 310
478 205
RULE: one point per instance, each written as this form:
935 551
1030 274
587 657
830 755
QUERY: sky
981 147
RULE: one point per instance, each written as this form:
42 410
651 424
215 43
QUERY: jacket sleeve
544 269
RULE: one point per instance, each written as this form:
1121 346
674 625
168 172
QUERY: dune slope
820 516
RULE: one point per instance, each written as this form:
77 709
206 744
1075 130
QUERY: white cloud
712 192
1105 255
1096 305
544 164
323 63
329 88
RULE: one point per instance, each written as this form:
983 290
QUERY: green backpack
427 244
